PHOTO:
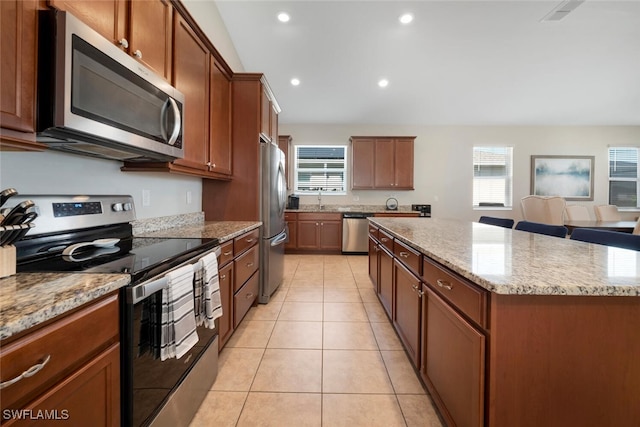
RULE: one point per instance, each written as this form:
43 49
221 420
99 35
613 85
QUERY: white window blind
320 168
623 177
492 176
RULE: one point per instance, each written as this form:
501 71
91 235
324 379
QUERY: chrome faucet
319 199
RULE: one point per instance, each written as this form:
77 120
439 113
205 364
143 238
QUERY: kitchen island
509 328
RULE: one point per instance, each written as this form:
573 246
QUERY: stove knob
127 206
117 207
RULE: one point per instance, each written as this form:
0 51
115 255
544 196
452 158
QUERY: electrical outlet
189 197
146 198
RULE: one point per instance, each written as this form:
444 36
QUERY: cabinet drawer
68 343
244 298
244 242
316 216
374 231
226 253
408 256
386 240
245 265
464 296
290 216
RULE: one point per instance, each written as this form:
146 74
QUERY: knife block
7 261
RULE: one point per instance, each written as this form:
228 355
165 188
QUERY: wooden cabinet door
191 77
308 234
150 34
362 155
385 284
407 310
107 17
374 262
293 235
331 235
283 144
90 396
384 164
454 363
403 166
220 127
265 114
18 42
273 122
225 322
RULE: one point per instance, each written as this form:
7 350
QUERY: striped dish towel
207 291
178 318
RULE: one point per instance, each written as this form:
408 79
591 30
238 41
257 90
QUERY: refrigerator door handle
280 238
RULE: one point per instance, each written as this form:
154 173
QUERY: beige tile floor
321 353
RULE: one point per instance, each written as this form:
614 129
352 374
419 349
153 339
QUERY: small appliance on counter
425 210
15 223
392 204
293 202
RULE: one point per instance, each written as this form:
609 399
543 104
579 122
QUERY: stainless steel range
93 234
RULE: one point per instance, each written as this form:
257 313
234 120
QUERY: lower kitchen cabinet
385 280
374 261
291 218
453 362
407 309
74 366
319 232
239 278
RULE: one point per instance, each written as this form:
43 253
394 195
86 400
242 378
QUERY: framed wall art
570 177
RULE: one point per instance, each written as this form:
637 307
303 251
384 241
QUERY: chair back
577 213
546 229
607 213
500 222
607 237
543 209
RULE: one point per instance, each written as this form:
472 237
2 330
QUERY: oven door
156 392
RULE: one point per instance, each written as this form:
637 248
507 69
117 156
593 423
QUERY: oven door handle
142 291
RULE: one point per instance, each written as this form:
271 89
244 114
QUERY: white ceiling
458 63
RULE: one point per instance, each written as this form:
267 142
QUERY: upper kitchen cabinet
269 111
239 198
18 38
142 28
382 163
201 74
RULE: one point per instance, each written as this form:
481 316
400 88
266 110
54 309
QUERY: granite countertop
507 261
27 299
222 230
352 208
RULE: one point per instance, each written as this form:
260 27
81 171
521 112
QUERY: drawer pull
404 254
249 264
384 239
444 284
249 240
249 295
227 253
26 374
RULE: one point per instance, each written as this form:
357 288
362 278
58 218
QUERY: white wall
443 158
51 172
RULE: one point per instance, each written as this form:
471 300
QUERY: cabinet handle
317 224
137 54
227 253
384 239
322 224
26 374
444 284
249 264
249 295
404 254
124 43
377 249
249 240
420 293
224 276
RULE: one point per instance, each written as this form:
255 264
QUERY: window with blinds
492 176
623 177
321 168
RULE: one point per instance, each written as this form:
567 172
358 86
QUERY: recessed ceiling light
383 83
406 18
283 17
295 81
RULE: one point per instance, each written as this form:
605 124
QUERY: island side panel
564 361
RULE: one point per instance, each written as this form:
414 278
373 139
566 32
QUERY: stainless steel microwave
94 99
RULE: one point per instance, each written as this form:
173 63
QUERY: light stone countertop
222 230
27 299
507 261
351 208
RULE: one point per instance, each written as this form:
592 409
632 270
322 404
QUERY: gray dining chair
546 229
607 237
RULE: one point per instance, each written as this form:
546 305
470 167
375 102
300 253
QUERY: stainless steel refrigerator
273 195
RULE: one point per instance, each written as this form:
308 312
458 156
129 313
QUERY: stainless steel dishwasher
355 232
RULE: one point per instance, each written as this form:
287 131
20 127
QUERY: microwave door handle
163 115
177 120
